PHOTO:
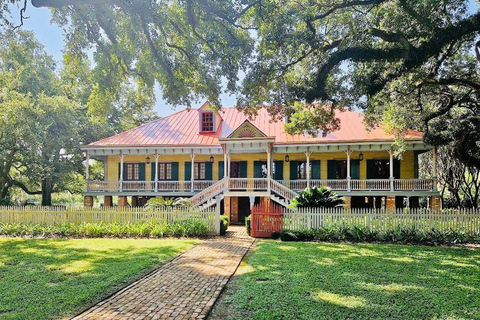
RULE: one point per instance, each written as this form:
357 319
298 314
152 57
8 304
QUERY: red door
267 218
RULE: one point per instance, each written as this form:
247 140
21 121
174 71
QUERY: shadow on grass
50 278
357 281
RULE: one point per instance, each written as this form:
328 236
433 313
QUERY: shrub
248 225
98 230
400 234
224 221
315 197
158 203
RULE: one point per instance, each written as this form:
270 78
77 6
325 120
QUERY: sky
51 36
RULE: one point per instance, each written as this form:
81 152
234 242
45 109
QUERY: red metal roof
182 128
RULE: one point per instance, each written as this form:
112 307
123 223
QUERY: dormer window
207 121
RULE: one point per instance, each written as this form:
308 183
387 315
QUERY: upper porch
247 166
190 188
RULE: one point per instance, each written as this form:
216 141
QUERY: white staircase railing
210 192
282 190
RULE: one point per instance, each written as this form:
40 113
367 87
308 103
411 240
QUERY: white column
349 174
269 168
156 171
192 178
225 165
228 165
269 165
87 166
391 168
87 169
308 168
105 170
121 170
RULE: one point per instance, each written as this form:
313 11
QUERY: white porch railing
413 184
138 186
282 190
209 193
241 184
248 183
364 185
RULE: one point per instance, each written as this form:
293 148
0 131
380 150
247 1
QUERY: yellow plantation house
210 156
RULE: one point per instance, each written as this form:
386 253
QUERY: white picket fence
60 215
467 220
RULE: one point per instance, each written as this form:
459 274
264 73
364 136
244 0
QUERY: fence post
217 215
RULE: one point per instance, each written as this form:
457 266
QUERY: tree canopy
47 115
411 63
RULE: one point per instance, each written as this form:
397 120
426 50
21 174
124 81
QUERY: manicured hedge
248 224
98 230
397 235
224 222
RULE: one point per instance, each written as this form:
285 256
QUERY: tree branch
412 58
346 5
24 187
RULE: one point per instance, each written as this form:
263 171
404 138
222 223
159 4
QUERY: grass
290 280
53 278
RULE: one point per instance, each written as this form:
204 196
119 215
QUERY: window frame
197 170
165 170
300 170
132 168
203 121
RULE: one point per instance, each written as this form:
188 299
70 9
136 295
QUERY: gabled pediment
247 130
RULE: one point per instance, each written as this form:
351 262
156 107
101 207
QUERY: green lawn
51 278
288 280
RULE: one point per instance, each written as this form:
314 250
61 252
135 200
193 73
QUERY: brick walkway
184 288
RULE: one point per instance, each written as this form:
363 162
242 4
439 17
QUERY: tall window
207 121
234 169
302 169
132 172
164 171
265 170
382 169
199 171
341 169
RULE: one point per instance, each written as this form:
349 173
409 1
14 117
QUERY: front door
235 170
243 208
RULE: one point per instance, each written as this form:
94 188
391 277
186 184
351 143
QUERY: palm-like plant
315 197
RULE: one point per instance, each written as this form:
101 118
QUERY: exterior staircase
206 198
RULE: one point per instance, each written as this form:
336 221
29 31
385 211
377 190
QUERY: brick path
184 288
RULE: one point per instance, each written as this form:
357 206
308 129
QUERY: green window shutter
174 171
355 169
188 171
141 171
396 169
293 170
119 172
332 169
153 171
257 169
221 169
208 171
316 169
371 169
278 170
243 169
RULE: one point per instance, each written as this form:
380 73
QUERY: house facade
209 157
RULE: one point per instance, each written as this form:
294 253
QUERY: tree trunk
47 189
